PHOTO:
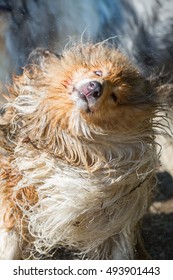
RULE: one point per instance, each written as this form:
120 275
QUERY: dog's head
87 87
89 92
82 103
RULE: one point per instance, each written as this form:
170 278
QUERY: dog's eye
98 73
113 96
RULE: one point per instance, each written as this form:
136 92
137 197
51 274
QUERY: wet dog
142 31
78 156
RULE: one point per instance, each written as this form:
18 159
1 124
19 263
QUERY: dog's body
78 155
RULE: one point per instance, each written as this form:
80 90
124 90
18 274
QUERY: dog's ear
42 57
164 95
162 90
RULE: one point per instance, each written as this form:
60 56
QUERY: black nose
92 89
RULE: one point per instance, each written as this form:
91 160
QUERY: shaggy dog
77 156
144 34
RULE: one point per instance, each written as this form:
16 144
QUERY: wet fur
71 178
29 127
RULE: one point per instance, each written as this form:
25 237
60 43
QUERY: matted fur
84 174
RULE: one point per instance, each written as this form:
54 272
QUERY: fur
144 34
29 126
77 175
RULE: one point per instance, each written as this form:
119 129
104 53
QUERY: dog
145 44
78 155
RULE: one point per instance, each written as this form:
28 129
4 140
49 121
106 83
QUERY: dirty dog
77 157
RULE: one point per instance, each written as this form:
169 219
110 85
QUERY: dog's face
89 87
108 91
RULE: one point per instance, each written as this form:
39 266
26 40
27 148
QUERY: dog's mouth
88 94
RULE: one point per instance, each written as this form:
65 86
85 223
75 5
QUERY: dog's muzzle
92 89
90 92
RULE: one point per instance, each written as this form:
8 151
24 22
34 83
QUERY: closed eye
98 73
114 97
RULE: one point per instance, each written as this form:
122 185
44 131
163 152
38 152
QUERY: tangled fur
77 173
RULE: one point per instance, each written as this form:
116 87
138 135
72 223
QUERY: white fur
9 246
93 183
104 203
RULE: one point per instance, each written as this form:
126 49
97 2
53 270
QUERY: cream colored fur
93 183
80 210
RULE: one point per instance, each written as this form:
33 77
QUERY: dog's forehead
86 72
97 63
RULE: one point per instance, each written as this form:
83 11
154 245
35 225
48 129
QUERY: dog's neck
100 153
79 144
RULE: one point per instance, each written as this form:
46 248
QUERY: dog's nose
92 89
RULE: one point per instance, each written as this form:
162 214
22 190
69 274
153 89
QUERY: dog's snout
92 88
95 88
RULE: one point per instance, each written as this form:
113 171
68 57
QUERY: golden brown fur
80 170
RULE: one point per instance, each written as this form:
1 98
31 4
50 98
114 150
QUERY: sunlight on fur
78 155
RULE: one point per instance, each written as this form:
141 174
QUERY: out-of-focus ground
157 228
